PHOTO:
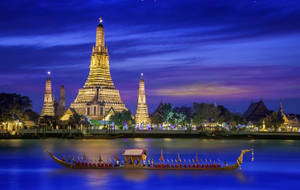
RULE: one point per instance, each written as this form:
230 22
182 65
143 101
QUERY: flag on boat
161 156
178 158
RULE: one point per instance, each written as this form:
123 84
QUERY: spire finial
100 20
49 73
142 75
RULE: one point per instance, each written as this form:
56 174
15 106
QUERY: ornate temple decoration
290 122
48 107
98 96
142 116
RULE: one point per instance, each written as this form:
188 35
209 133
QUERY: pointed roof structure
178 158
161 156
61 107
142 115
256 111
98 94
49 104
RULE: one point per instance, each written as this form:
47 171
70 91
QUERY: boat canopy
134 152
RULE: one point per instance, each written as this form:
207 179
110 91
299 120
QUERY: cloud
206 46
202 90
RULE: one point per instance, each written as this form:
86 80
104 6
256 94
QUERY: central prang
98 99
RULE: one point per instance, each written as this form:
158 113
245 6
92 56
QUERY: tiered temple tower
282 114
98 97
61 108
48 107
142 116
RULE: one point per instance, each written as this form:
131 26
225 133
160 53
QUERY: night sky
228 52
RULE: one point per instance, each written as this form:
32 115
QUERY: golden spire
100 36
142 115
99 93
99 75
48 106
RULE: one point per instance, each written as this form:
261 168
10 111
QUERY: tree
30 115
74 120
119 118
184 114
205 112
274 120
211 112
13 104
162 114
48 122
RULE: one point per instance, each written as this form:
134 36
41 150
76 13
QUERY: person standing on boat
117 161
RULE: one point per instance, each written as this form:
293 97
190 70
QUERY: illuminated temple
48 106
142 116
98 98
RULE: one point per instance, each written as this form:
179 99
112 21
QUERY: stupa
48 107
142 116
98 97
61 107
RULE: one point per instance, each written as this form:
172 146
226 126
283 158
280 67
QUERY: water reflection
24 163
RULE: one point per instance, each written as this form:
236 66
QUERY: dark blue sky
230 52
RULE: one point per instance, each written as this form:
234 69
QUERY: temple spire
62 102
280 106
99 98
48 107
100 34
142 116
99 76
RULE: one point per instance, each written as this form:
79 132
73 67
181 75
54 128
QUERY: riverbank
105 134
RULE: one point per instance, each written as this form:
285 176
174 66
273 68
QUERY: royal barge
137 159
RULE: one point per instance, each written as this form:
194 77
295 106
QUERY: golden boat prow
135 159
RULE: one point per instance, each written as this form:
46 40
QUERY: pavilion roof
134 152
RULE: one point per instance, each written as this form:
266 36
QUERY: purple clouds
228 52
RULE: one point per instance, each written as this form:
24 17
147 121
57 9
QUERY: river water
25 165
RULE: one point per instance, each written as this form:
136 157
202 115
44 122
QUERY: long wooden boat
134 160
